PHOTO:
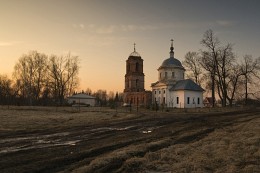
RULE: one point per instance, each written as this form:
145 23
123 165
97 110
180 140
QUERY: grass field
46 139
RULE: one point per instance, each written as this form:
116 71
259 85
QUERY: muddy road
107 146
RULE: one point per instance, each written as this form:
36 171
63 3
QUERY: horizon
103 33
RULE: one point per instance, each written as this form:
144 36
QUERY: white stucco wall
193 95
178 74
171 97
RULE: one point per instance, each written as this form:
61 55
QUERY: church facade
134 92
172 90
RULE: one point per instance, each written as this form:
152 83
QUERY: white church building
172 90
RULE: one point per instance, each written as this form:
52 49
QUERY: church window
165 74
172 74
159 92
136 83
177 100
198 100
188 100
136 67
164 100
154 92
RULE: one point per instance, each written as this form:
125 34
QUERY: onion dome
170 62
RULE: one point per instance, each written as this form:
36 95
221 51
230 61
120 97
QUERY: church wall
193 95
159 94
183 98
169 73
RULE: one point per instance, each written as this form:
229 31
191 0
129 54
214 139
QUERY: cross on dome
171 46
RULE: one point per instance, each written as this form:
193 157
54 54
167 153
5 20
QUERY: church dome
171 62
136 54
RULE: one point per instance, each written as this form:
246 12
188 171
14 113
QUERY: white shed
82 99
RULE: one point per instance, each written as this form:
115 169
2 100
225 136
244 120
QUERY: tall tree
225 63
63 72
211 43
30 72
233 82
250 68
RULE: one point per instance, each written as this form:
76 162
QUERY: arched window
172 74
136 83
165 74
136 67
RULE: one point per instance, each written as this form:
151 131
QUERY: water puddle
34 142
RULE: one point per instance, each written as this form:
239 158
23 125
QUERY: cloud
10 43
225 23
107 29
78 26
82 26
6 43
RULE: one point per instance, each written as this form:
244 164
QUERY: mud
69 148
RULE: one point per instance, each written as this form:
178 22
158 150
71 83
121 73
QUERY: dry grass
231 149
40 118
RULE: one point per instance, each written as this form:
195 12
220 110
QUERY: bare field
45 139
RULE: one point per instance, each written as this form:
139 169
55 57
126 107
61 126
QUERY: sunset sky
102 32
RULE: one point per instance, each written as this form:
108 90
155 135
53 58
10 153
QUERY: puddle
40 144
34 142
103 129
146 131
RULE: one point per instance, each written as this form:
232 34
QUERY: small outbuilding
82 99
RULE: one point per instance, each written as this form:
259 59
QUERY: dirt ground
38 139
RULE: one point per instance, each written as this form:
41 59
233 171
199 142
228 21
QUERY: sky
102 33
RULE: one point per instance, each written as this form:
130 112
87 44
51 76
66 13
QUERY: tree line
105 98
39 79
218 69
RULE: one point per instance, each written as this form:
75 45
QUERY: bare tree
88 91
225 64
192 62
211 43
101 97
30 72
250 68
63 73
5 89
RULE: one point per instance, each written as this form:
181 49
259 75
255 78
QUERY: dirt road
112 145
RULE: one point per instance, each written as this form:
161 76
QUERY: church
172 90
134 92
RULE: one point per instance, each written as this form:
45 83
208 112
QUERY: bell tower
134 77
